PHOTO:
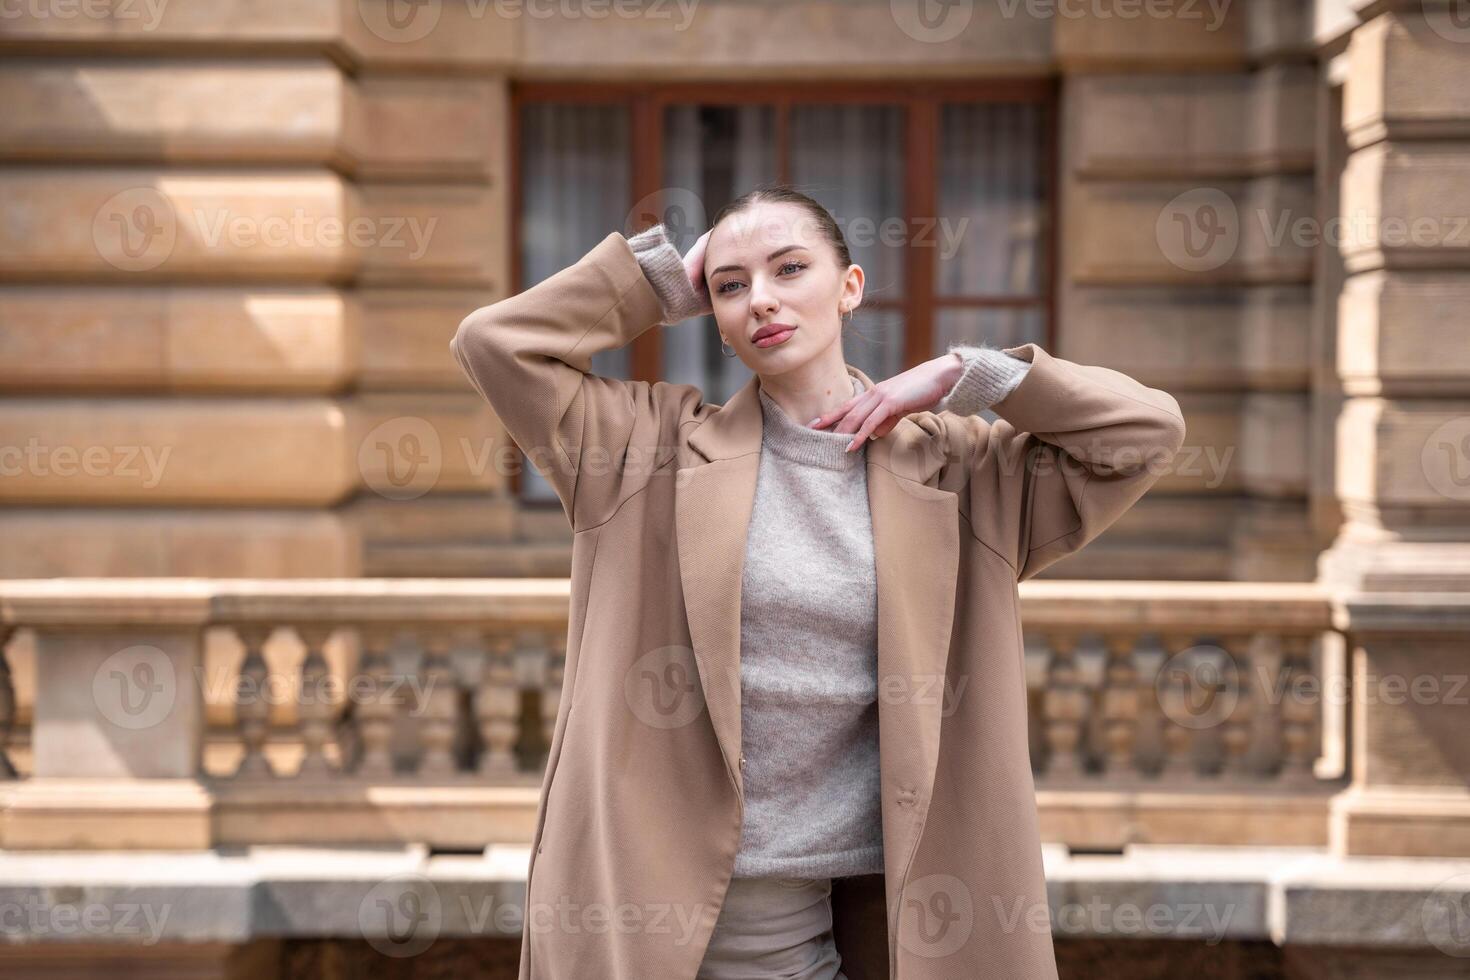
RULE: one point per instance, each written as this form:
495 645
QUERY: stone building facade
236 237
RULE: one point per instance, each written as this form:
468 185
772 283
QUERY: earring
723 345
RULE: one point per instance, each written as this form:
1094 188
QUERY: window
944 192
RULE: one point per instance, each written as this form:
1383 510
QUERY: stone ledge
1286 895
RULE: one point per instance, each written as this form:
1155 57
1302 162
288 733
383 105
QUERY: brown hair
776 193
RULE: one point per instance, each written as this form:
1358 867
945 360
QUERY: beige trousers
774 928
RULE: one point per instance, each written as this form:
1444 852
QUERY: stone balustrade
238 712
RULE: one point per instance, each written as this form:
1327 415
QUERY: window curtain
575 179
991 186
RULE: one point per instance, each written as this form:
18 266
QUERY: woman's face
775 286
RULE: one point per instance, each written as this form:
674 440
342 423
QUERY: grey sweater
808 622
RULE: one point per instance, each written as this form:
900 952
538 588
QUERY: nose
762 299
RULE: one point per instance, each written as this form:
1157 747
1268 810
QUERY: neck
815 388
795 441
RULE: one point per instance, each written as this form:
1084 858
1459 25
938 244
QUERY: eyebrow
737 268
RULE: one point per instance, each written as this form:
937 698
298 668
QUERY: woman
794 666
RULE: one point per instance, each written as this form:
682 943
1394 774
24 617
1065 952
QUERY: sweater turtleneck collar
793 440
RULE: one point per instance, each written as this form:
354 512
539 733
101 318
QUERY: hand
694 265
876 411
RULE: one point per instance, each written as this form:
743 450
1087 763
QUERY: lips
770 330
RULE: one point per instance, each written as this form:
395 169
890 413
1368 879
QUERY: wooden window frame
921 101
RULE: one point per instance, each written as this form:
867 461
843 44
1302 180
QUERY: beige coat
640 808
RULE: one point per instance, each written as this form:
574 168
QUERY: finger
869 427
861 423
862 405
821 421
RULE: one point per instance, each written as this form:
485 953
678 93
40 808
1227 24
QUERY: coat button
742 760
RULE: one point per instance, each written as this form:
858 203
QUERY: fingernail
815 420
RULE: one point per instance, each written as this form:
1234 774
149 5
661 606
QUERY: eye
792 263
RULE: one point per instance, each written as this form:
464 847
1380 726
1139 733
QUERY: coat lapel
916 549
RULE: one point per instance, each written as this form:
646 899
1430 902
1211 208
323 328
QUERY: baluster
1174 687
497 708
1064 707
7 705
252 706
556 666
1120 704
314 703
1297 713
1236 733
436 732
376 712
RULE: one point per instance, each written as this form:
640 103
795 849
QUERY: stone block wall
236 239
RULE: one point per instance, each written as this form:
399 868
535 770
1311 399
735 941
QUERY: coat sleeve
596 440
1073 448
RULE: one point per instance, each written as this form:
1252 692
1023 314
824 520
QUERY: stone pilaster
1401 559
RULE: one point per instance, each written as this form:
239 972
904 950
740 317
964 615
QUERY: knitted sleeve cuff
989 376
664 269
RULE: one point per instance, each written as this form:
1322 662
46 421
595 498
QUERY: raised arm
1074 448
987 376
595 439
